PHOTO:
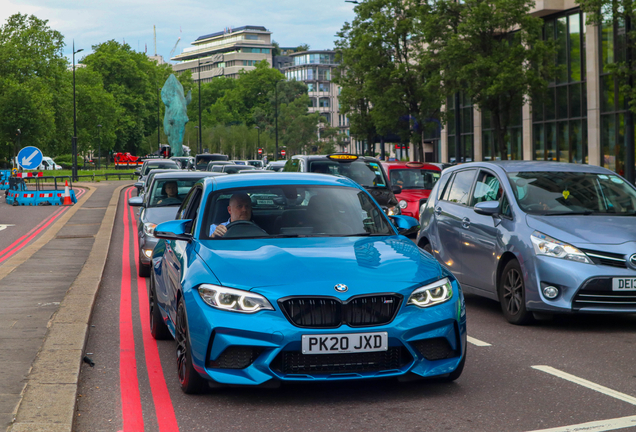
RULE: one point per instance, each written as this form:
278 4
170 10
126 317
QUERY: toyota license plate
623 284
345 343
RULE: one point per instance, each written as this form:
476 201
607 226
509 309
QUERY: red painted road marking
25 242
163 404
132 415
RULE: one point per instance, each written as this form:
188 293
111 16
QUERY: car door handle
438 211
466 223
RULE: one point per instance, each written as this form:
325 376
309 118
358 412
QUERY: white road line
477 342
585 383
596 426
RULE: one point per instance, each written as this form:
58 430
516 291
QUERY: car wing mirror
487 208
174 230
137 201
396 190
405 225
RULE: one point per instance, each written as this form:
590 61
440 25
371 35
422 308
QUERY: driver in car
240 208
171 194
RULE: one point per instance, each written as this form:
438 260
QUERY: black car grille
606 258
435 349
295 362
329 312
598 292
236 357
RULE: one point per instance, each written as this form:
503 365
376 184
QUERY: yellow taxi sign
343 157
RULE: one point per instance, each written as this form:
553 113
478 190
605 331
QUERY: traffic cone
67 195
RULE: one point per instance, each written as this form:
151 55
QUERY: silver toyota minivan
540 237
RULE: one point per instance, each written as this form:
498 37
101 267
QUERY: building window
466 134
323 87
312 102
559 117
323 103
310 87
613 104
327 118
514 141
324 74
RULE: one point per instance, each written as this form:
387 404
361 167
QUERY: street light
276 115
99 147
259 137
199 80
74 141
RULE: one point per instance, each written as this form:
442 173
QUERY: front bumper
583 288
241 349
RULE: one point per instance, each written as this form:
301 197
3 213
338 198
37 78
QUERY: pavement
47 292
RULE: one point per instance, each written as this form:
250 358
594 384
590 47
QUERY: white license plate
345 343
265 202
623 284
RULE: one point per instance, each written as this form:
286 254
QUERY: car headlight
432 294
233 299
546 245
403 204
393 211
149 229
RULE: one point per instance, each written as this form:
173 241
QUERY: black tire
158 328
512 294
458 371
189 379
427 247
142 269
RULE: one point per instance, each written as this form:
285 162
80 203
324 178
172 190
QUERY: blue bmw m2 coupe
264 279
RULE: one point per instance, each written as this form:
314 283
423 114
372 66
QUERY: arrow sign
4 227
30 157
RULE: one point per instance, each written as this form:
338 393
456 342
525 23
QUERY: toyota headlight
403 204
233 299
546 245
149 229
432 294
393 211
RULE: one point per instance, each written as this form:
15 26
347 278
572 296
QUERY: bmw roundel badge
341 288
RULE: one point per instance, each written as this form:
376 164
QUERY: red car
416 180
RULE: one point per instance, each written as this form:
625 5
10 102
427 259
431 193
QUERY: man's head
240 207
171 189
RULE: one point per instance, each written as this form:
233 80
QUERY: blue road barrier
21 196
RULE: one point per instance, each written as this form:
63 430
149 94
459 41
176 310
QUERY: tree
390 81
493 52
302 47
32 78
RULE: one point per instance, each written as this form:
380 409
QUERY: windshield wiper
579 213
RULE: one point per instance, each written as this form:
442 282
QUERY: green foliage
302 47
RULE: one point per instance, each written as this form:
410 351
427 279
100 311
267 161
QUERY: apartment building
315 69
225 53
582 120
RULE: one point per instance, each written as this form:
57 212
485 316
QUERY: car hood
586 229
160 214
413 194
312 266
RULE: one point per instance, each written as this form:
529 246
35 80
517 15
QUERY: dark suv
364 170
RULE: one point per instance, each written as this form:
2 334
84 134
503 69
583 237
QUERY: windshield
202 161
570 193
169 192
414 178
149 167
299 211
365 173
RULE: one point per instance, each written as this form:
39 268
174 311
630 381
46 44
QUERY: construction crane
175 47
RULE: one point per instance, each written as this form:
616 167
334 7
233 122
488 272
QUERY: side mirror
174 230
138 172
139 185
487 208
137 201
406 225
396 190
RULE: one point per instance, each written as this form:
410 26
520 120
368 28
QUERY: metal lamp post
99 147
259 138
276 115
74 142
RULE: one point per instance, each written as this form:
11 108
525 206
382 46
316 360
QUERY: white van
48 164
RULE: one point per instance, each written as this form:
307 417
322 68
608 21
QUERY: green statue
176 115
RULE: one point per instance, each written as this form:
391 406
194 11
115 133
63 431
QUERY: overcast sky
89 22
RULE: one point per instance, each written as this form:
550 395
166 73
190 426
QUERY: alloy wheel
513 291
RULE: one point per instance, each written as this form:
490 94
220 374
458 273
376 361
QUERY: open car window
302 211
